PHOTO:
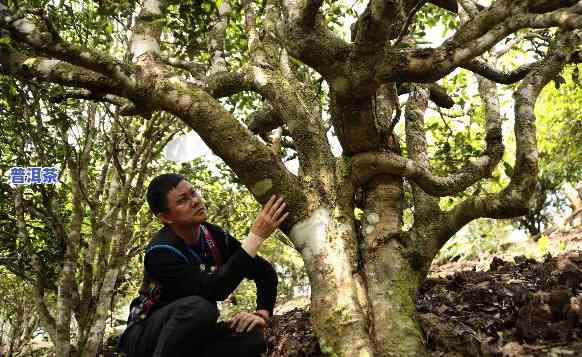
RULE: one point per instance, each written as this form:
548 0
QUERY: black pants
188 328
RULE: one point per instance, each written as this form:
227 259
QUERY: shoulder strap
170 248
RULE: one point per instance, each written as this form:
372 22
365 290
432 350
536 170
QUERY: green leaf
576 75
543 243
508 169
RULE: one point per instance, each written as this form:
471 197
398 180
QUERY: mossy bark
363 300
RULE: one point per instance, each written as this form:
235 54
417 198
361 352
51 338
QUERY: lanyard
207 243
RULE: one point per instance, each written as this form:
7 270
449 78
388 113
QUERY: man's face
185 206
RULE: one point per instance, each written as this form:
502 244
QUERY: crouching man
188 266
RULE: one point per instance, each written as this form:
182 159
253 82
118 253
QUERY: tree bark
573 195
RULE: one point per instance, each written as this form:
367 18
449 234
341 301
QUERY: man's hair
159 188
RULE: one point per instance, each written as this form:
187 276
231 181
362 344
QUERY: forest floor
506 306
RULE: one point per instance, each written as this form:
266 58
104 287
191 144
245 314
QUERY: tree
198 60
18 320
73 240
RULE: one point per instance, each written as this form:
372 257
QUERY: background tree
73 240
185 58
18 319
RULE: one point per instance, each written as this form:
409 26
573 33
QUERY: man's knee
198 308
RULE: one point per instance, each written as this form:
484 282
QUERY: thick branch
426 208
381 21
225 84
541 6
367 165
450 5
299 111
471 40
147 30
303 12
44 41
256 165
290 103
216 38
264 120
312 42
54 71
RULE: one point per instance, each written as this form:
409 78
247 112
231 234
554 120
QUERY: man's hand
271 216
244 321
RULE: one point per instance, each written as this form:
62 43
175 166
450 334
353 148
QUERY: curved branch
54 71
472 39
194 68
126 107
367 165
513 201
484 69
254 163
24 30
381 21
264 120
300 112
290 103
225 84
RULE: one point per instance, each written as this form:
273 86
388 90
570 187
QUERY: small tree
18 319
364 275
73 240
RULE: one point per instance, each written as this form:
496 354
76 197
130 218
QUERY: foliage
559 113
476 241
18 317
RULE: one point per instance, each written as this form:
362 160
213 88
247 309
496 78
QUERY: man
188 266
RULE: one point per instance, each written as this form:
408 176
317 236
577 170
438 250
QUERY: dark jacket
181 275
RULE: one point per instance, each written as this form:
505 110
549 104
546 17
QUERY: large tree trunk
391 282
330 261
363 303
363 283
